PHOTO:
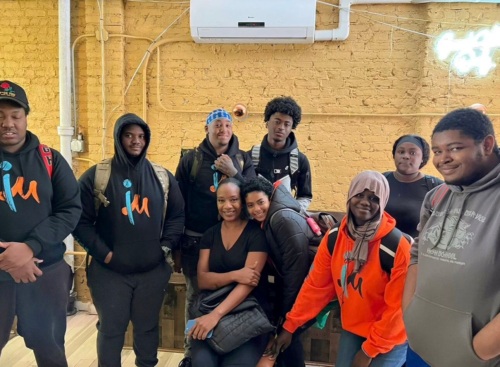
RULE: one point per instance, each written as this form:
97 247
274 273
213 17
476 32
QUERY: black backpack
430 181
387 249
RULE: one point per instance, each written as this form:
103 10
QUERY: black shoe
186 362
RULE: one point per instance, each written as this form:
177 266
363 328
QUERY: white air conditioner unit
253 21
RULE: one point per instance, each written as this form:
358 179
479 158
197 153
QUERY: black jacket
135 240
287 234
201 201
274 165
41 211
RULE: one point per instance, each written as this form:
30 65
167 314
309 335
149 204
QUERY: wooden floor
80 347
81 337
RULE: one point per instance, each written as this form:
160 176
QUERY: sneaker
186 362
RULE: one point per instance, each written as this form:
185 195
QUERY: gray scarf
376 182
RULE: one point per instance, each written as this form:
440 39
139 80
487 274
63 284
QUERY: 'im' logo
10 193
131 205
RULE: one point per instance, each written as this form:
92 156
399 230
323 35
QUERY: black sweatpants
40 308
120 298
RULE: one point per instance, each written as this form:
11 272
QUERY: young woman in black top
233 251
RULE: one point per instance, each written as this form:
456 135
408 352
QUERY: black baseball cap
13 92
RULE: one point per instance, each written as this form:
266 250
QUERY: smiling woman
350 270
233 252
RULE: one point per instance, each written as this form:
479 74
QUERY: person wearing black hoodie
39 207
128 241
288 236
199 172
278 157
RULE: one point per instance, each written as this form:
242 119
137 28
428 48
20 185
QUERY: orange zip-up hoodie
370 300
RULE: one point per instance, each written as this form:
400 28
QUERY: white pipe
65 129
342 31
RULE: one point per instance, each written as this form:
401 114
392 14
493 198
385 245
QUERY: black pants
247 355
40 308
120 298
293 356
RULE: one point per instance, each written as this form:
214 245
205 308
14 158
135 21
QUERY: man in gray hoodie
452 293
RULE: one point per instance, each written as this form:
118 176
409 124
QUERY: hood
460 194
291 143
281 199
492 178
232 148
120 156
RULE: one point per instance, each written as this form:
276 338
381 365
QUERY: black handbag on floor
244 322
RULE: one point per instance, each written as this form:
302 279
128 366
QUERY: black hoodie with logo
34 208
136 238
200 196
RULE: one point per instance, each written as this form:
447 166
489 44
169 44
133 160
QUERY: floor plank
81 337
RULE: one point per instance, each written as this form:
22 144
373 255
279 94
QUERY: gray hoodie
458 287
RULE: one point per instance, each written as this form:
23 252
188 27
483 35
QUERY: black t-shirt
252 239
405 201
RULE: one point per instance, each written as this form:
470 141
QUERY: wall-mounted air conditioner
253 21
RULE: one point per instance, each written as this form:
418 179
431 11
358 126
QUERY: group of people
412 264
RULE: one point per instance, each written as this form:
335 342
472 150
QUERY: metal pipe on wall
65 128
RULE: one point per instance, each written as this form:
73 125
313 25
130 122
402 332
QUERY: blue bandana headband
218 114
413 140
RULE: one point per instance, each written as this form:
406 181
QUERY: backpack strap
101 179
162 175
439 194
47 159
197 161
294 161
332 237
240 160
256 155
387 249
430 182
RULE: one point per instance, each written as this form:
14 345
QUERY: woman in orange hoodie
370 297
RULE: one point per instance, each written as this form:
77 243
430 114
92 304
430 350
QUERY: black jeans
40 308
120 298
247 355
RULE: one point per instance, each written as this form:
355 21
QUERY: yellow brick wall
357 95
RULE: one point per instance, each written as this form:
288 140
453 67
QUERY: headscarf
411 139
376 182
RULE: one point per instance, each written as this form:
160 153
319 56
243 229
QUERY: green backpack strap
162 175
101 179
197 161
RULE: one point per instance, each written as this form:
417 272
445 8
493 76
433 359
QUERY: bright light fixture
472 54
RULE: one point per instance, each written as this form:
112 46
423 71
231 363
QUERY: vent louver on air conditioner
253 21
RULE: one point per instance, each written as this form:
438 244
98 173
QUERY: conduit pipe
342 31
65 128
